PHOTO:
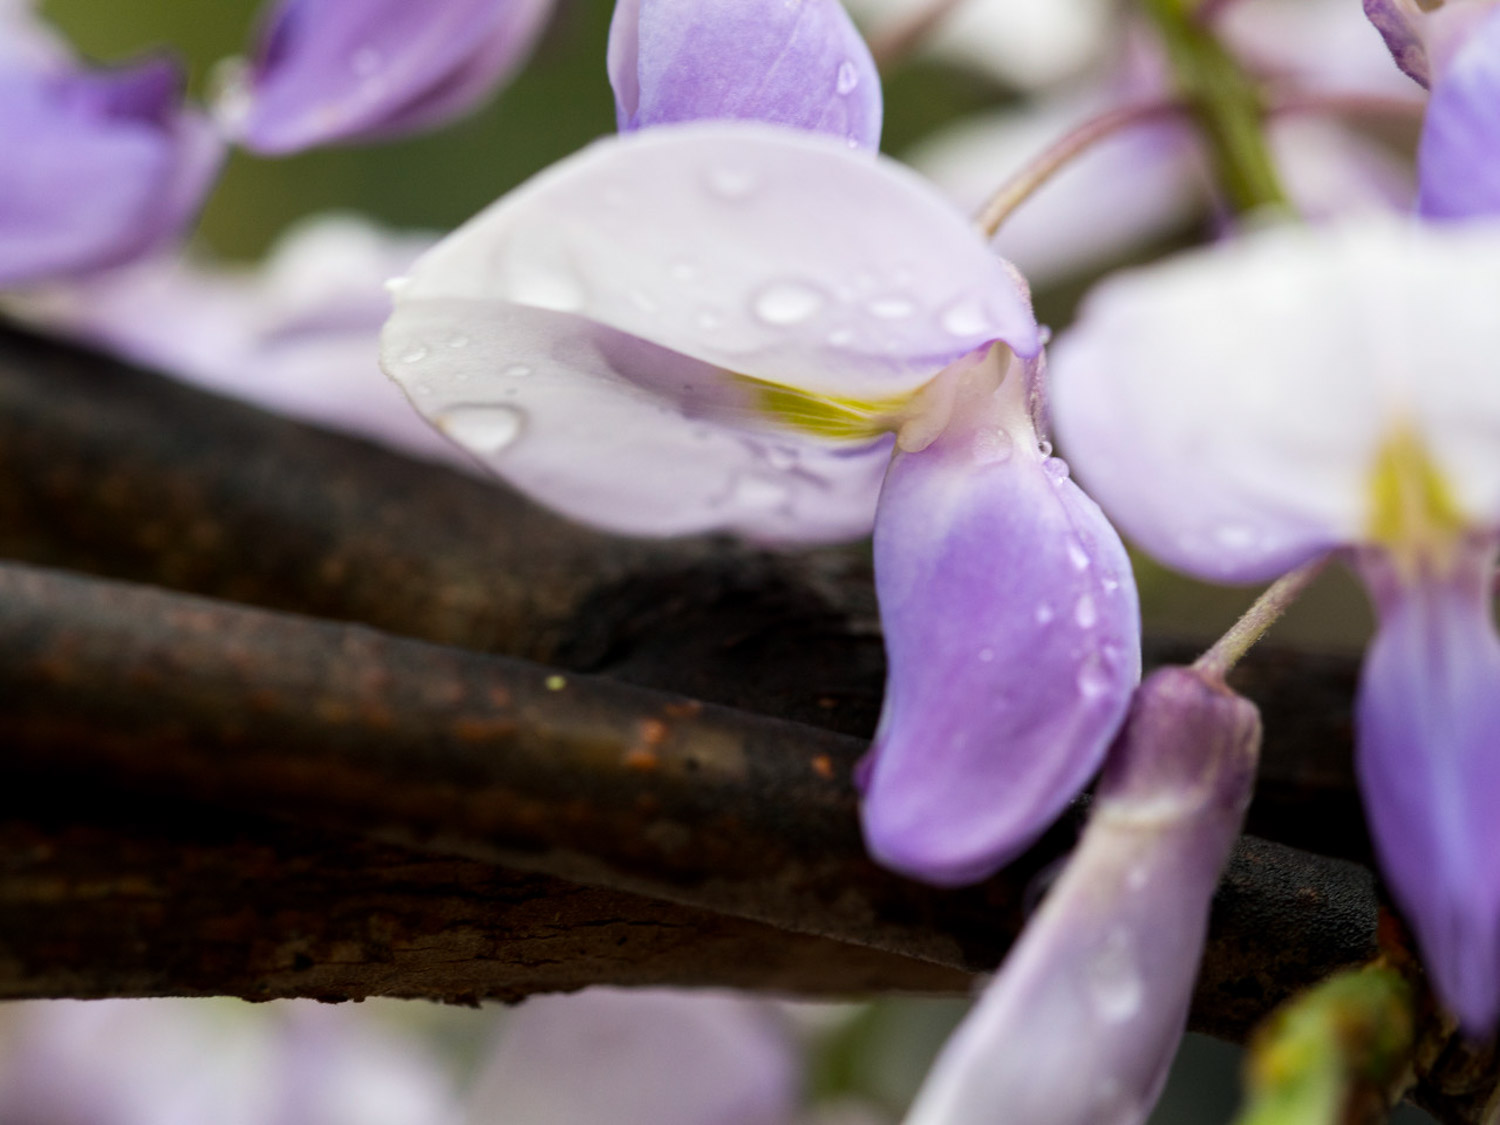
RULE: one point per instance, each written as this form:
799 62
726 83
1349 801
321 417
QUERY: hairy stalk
1025 183
1226 102
1226 652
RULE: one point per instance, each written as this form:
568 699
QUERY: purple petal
1013 636
1399 24
747 247
639 1058
115 167
803 65
1459 158
300 337
1429 768
1081 1024
342 70
621 433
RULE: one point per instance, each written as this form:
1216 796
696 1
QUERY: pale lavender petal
1081 1024
1332 172
1013 636
639 1058
115 166
772 253
621 433
1459 157
1429 769
1229 407
1328 45
27 41
340 70
803 65
300 336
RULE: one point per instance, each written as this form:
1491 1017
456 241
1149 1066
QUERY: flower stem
1226 652
1226 103
891 44
1025 183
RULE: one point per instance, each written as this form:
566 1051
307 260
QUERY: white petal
1228 407
621 433
769 252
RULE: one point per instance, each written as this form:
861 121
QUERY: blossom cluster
737 316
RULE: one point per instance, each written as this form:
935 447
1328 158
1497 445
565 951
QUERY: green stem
1226 102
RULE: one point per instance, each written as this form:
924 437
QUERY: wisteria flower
328 71
297 335
1245 409
803 65
149 1062
1081 1024
115 164
721 326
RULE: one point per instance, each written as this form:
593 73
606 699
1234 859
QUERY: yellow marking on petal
1413 513
828 416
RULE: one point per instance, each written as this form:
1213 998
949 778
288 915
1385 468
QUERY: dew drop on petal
891 308
515 371
1077 555
848 77
758 494
966 318
1045 614
1044 447
458 341
414 354
786 303
1093 678
993 446
730 183
396 285
1114 983
1056 469
1085 613
485 429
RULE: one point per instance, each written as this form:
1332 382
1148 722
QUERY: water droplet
731 183
1114 982
1110 585
966 318
986 655
1235 537
852 141
993 446
848 77
1044 614
891 308
396 285
758 493
484 429
1077 555
1093 678
1044 447
414 354
515 371
782 457
1056 469
1043 335
787 303
1085 612
458 341
365 61
682 270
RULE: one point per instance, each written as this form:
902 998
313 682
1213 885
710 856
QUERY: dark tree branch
121 473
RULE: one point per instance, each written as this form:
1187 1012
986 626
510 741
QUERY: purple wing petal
114 167
803 65
1399 24
1081 1024
639 1058
340 70
1429 768
1013 636
1459 159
